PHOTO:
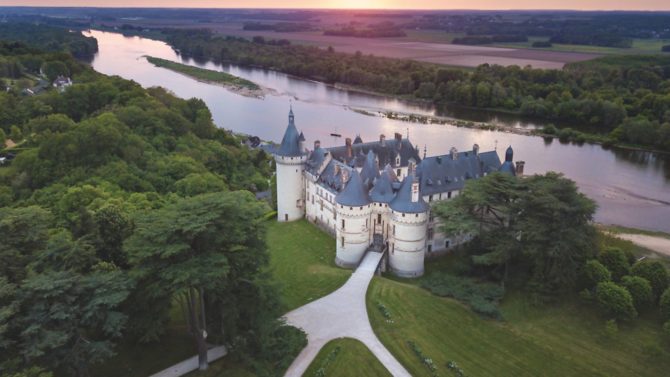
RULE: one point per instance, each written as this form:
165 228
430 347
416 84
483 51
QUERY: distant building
61 83
377 195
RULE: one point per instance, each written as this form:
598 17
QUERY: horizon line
352 9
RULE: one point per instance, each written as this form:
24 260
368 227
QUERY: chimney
398 139
317 144
345 177
350 150
519 168
475 149
415 190
382 140
453 153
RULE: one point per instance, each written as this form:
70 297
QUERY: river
632 188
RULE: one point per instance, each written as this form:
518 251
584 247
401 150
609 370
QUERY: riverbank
233 83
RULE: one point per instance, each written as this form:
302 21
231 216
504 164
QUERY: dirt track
658 244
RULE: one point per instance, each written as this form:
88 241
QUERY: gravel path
341 314
658 244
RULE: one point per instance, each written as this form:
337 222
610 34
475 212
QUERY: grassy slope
203 74
353 359
302 258
566 340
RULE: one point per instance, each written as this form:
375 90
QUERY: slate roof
403 199
508 165
370 169
382 191
386 152
315 159
290 144
354 193
442 173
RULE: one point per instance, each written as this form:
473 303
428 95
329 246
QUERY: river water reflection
632 188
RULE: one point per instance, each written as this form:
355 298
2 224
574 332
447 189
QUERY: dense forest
121 207
621 99
50 38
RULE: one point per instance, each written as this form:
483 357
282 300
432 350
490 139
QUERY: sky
382 4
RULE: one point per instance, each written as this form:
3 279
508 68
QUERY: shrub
616 262
594 272
615 301
611 328
665 305
542 44
655 273
481 297
640 289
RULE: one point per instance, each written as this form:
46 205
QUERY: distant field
640 46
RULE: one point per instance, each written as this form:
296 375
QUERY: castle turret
409 222
508 165
353 222
290 159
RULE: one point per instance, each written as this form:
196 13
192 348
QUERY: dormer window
397 160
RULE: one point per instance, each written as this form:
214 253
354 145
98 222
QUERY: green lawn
346 357
203 74
566 340
302 258
640 46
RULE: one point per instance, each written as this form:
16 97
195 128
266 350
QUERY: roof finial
291 117
407 133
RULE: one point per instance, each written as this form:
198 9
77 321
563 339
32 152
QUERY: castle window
361 208
449 195
430 233
447 243
379 218
342 241
392 248
430 198
398 173
430 248
342 224
366 223
417 215
394 230
403 215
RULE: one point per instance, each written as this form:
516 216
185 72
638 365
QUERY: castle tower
409 222
290 159
353 222
508 166
381 195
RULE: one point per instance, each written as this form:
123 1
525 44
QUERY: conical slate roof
358 140
290 144
370 169
354 194
382 192
403 199
508 165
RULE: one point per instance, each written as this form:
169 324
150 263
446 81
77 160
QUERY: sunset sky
385 4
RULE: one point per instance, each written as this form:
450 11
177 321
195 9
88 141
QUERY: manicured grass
203 74
563 340
302 258
346 357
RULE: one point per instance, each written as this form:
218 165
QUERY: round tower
409 222
290 161
353 222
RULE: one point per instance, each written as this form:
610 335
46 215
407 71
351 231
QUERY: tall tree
189 251
540 223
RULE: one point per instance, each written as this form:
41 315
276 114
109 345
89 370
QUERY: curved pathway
341 314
